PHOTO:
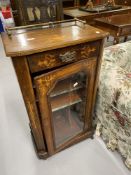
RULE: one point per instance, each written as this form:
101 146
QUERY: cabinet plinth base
41 154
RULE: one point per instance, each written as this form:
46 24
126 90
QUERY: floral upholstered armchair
113 106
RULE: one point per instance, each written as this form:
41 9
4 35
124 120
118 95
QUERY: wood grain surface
34 41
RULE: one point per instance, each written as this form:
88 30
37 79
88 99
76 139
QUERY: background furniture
36 11
61 66
113 107
89 17
76 3
123 2
119 2
70 3
116 25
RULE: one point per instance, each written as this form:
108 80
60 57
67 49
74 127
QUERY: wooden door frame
44 83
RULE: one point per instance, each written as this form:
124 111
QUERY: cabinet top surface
29 42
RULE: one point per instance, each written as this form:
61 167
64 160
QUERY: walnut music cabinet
57 66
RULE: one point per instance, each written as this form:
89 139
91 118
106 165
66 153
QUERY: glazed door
65 100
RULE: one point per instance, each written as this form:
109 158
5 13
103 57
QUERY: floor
17 155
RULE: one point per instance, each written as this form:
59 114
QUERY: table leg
116 40
108 38
125 38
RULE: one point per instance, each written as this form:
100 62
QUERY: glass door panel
68 100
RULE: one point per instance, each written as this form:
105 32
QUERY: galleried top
26 40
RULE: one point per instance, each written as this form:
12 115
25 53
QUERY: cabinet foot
92 137
125 38
116 41
41 154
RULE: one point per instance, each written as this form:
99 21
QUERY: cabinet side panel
97 73
23 75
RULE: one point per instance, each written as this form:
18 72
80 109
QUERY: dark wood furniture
89 17
123 2
57 68
117 26
76 3
70 3
119 2
36 11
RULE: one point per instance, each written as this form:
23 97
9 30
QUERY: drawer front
58 57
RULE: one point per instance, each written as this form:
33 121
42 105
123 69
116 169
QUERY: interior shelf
65 87
65 100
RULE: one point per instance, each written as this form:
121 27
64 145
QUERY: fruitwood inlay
46 81
86 51
50 59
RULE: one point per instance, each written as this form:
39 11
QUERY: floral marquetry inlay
86 51
49 61
46 82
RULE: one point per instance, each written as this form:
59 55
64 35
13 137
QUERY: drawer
58 57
